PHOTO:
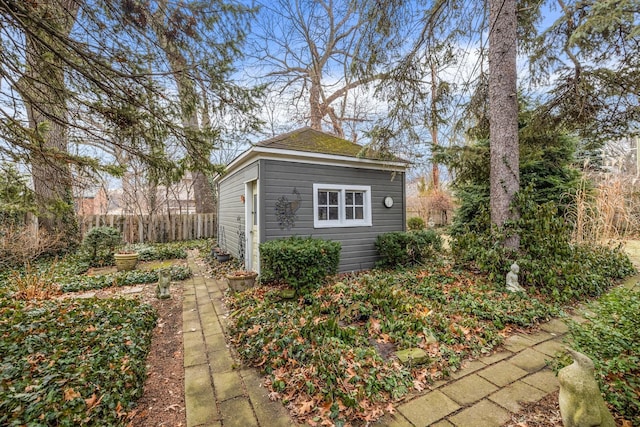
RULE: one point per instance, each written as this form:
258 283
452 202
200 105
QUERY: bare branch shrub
20 244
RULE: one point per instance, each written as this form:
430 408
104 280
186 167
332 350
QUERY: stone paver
503 373
483 414
395 420
215 342
550 348
469 389
199 398
428 409
221 361
237 413
194 349
468 368
511 396
496 357
227 385
539 337
545 380
517 343
555 326
530 360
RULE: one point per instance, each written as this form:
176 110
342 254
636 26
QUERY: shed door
253 235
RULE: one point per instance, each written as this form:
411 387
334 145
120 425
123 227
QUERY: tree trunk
203 190
435 171
44 93
503 113
315 106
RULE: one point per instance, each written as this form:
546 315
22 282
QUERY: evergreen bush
548 260
300 262
99 244
403 249
415 223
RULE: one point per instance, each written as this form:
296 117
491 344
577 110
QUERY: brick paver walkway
221 392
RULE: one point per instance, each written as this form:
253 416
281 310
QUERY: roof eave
257 152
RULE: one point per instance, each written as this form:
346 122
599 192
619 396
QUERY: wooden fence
154 228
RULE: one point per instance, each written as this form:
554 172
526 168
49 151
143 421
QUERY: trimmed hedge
403 249
300 262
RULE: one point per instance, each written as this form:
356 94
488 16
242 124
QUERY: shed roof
314 141
316 147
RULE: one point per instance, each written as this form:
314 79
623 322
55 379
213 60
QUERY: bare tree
312 52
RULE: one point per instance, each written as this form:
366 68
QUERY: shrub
160 252
415 223
20 245
99 244
611 338
547 258
300 262
33 284
401 249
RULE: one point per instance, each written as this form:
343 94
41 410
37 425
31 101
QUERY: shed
310 183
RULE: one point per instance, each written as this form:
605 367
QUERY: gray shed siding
231 210
279 178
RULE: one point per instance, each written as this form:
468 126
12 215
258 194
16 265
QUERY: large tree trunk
503 113
44 93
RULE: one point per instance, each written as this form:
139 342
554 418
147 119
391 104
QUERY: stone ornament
512 279
164 281
581 404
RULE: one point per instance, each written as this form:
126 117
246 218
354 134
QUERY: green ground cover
72 362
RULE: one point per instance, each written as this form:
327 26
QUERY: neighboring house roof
315 146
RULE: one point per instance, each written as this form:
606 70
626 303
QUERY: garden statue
581 404
164 280
512 279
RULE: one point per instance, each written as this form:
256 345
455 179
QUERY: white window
341 205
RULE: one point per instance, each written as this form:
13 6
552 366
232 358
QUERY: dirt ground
162 402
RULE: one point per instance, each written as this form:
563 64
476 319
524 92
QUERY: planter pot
239 283
221 257
126 262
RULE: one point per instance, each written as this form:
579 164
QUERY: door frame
251 238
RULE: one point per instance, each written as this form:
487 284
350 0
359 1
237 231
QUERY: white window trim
342 221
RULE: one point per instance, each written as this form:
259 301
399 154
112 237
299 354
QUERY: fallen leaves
329 355
70 394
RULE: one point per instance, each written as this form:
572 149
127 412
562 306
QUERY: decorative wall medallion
286 210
